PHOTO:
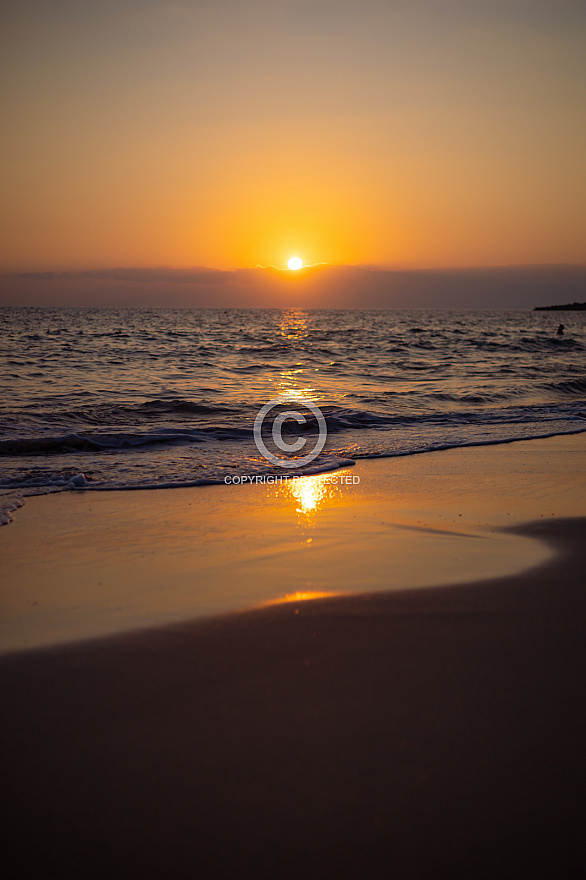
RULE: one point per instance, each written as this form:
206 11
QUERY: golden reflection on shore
300 596
310 493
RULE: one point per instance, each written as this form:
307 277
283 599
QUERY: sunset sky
405 134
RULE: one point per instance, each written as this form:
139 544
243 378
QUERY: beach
372 679
293 440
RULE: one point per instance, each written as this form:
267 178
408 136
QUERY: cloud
312 287
195 275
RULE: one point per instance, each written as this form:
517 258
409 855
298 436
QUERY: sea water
152 398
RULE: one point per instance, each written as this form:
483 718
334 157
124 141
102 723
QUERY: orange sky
228 134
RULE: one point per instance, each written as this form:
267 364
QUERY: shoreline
87 565
78 483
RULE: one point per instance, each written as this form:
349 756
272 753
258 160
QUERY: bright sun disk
295 263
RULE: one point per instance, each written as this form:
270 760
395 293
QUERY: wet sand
431 733
82 565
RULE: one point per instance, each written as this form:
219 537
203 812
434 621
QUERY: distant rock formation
569 307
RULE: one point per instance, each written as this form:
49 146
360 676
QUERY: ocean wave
480 399
43 481
570 386
167 407
527 345
441 446
337 420
92 443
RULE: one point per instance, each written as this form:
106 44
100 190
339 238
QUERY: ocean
98 399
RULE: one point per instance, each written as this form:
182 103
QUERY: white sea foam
8 504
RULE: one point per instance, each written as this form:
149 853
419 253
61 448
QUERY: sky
392 136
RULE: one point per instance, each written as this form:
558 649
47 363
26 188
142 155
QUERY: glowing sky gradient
229 134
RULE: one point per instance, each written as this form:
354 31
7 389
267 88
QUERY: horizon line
372 267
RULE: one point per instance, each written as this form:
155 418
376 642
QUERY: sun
295 263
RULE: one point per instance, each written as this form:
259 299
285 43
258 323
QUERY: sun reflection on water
292 381
286 382
293 324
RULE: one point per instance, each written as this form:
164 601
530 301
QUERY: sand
408 733
87 564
